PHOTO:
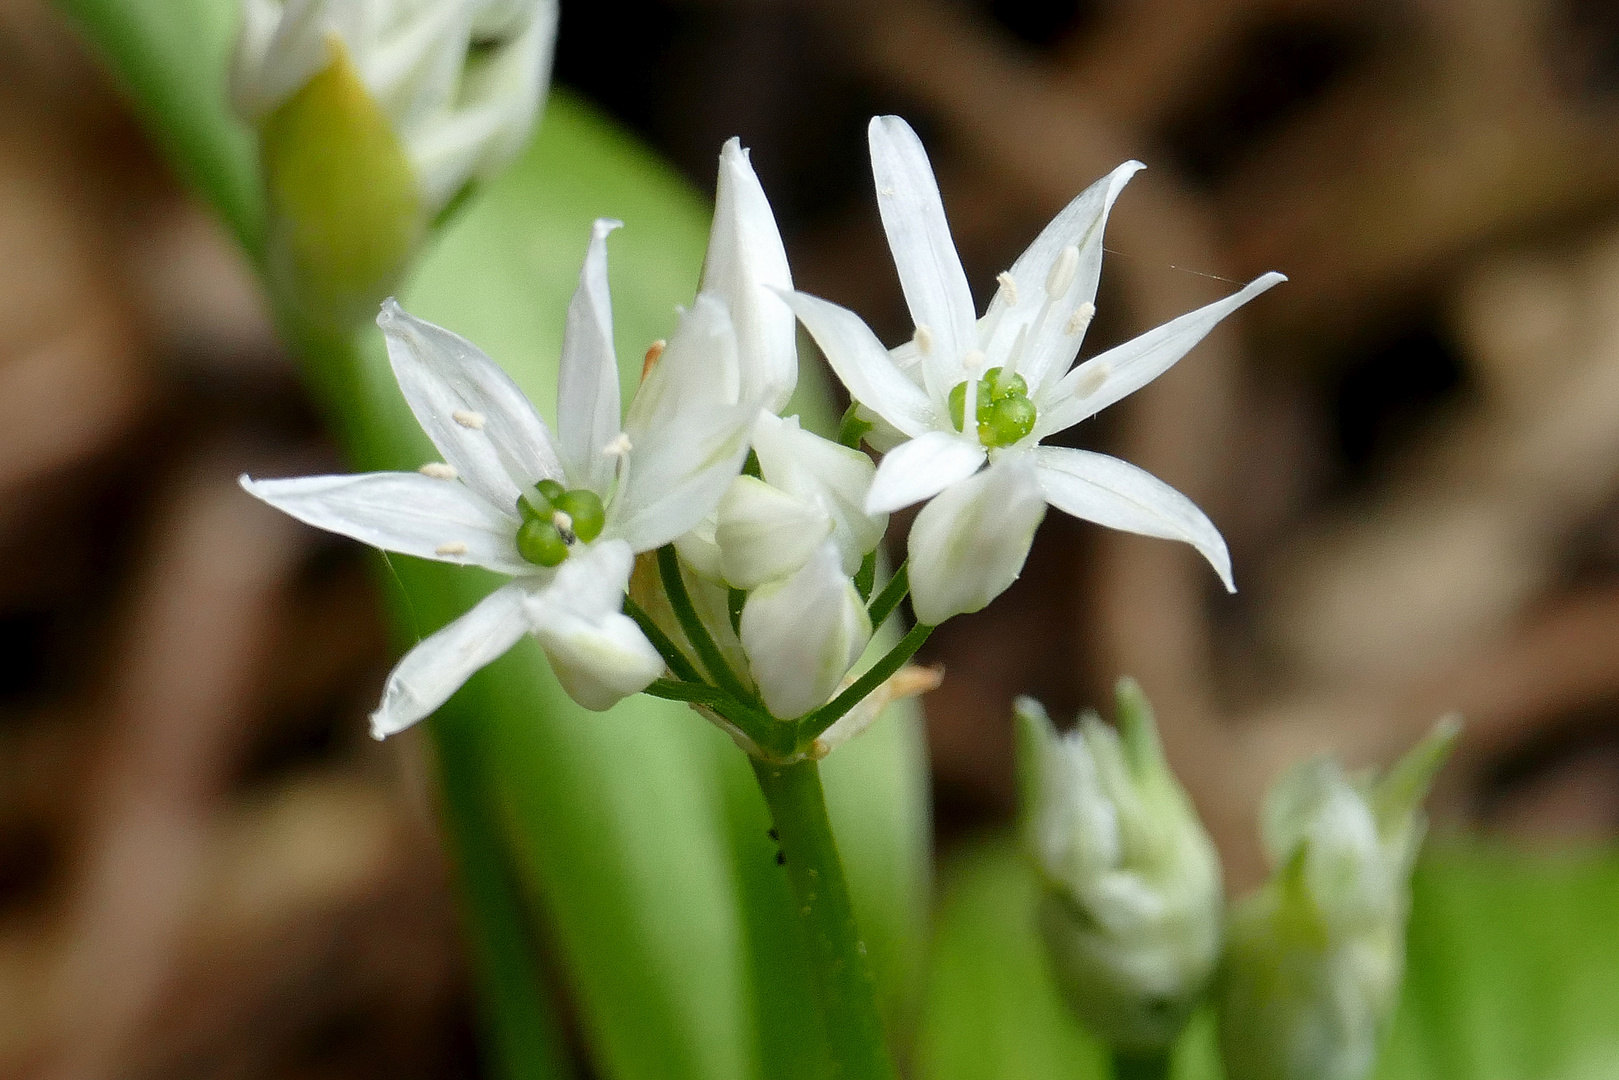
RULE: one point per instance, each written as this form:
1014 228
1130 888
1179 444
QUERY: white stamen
564 524
618 447
974 362
1080 319
454 547
438 470
468 419
924 339
1062 272
1091 378
1008 287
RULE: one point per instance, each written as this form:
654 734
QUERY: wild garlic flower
460 81
562 516
1131 906
793 536
372 117
1314 960
966 391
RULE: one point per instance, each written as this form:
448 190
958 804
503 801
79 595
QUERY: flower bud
1315 958
372 117
1131 905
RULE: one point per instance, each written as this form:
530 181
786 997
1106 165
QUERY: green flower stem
682 667
889 598
818 721
1140 1067
674 586
843 976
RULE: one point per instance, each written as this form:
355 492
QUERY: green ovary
554 518
1005 416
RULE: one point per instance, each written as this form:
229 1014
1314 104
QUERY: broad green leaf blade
171 57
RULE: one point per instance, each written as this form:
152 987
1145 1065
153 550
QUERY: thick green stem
843 977
1128 1066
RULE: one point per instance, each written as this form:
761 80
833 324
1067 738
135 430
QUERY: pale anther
618 447
924 339
1008 287
564 524
974 361
1080 319
438 470
454 547
653 351
1062 272
468 419
1090 380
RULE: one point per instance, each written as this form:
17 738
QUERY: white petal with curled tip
1049 348
802 634
746 266
404 512
834 476
922 468
1121 371
1115 493
587 384
864 365
413 71
599 654
437 667
687 437
924 254
501 447
969 543
765 533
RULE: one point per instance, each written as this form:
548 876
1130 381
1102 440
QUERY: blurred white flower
1132 903
1012 366
1314 959
460 81
562 516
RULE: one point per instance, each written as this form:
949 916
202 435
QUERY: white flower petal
765 533
404 512
587 384
599 655
1115 493
699 550
507 448
922 468
413 71
969 543
1121 371
864 365
687 436
437 667
1049 348
746 266
803 634
834 476
924 254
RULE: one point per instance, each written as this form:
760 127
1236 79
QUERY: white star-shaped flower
969 543
562 516
461 81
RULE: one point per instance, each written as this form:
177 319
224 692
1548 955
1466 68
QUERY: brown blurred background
207 870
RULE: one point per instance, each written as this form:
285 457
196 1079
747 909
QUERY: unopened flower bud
1314 959
1131 905
372 117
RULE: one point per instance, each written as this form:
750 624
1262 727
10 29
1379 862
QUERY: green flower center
554 519
1005 413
